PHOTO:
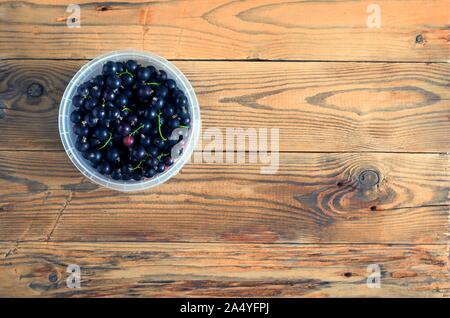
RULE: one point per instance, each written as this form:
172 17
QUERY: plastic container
94 68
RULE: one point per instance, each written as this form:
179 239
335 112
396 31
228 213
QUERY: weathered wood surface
224 270
312 198
364 106
364 162
415 30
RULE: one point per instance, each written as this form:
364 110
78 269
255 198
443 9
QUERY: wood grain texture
312 198
317 106
364 163
225 29
222 270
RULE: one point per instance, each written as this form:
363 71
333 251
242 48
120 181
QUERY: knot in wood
368 179
35 90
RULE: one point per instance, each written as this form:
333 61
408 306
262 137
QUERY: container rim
65 129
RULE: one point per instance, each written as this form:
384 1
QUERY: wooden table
364 136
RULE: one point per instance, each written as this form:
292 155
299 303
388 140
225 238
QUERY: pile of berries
123 119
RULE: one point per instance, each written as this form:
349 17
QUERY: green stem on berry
161 155
159 127
107 142
139 164
125 72
126 109
152 83
183 126
136 130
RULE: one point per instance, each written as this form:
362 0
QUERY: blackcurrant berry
168 161
77 101
75 117
94 156
145 141
161 76
82 144
96 92
173 123
131 65
143 73
81 130
99 81
96 143
124 129
128 141
181 101
112 155
149 172
138 153
161 167
186 121
121 100
90 120
113 81
110 68
168 112
161 91
144 92
157 103
170 84
112 114
150 114
90 103
127 80
116 174
146 126
158 142
104 168
101 133
153 151
109 95
151 162
83 89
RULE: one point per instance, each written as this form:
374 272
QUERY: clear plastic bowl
94 68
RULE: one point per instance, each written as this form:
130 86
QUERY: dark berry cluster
123 119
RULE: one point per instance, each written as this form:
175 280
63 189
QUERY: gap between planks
393 244
236 60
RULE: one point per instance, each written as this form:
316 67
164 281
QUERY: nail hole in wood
348 274
373 208
419 39
53 277
103 8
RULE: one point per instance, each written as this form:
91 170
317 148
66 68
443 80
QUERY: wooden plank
317 106
312 198
222 270
415 30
